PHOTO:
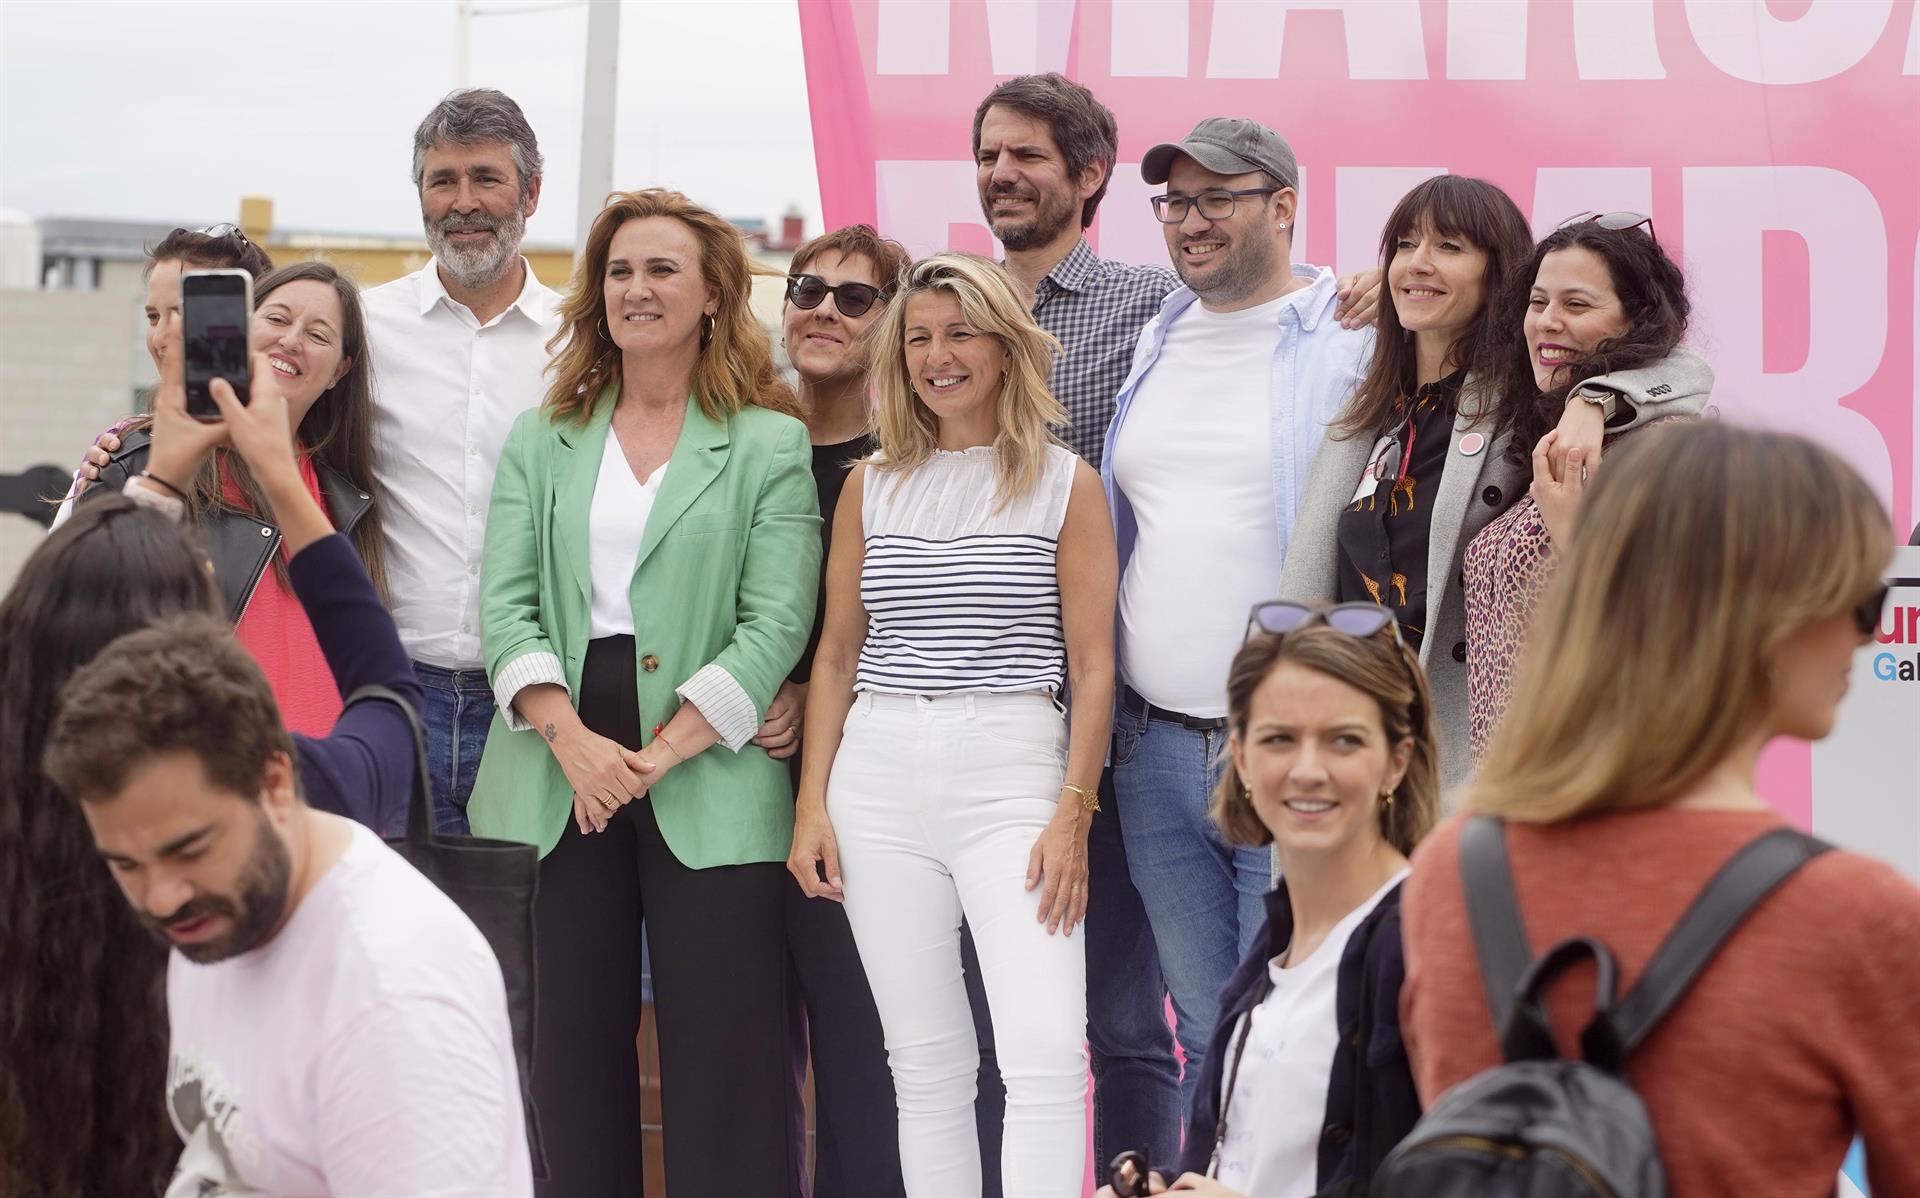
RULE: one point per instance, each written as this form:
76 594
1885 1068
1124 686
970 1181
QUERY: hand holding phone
216 315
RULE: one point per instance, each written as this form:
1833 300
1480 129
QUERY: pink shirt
275 630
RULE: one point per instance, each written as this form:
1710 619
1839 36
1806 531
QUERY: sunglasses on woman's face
1866 614
853 299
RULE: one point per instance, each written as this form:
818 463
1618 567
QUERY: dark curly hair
83 1029
1652 291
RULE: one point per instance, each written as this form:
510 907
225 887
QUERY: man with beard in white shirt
459 350
337 1026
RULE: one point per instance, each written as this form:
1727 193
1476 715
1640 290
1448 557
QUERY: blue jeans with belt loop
456 715
1205 899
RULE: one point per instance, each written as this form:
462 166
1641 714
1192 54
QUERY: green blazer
728 573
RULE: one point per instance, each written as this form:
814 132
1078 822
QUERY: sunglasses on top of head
1613 220
1282 616
807 292
1361 621
223 232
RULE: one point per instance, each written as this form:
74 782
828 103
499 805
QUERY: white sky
171 110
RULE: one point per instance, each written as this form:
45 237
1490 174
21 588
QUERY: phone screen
215 312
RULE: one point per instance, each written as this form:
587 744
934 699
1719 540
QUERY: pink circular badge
1472 443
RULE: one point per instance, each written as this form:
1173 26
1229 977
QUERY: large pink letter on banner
1776 144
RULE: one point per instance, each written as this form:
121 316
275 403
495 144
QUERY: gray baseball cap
1226 145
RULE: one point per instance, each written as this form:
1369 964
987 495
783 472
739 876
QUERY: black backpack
1539 1126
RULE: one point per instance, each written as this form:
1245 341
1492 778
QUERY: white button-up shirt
447 390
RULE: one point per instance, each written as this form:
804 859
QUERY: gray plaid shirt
1096 308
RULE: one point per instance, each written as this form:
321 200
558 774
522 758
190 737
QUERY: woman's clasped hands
605 776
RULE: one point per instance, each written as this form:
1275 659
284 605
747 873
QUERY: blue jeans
457 713
1205 899
1136 1078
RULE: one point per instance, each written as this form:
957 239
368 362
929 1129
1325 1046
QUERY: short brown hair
888 256
1376 665
181 684
1082 127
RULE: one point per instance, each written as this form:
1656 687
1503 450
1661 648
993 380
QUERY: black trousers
718 946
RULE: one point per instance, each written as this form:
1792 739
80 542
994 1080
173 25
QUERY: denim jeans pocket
1128 729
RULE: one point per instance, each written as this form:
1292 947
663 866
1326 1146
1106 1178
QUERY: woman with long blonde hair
651 560
971 580
1712 598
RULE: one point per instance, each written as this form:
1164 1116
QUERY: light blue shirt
1317 366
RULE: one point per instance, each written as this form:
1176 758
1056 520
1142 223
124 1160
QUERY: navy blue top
364 768
1382 1084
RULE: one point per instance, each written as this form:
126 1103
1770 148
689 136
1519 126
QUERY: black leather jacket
241 546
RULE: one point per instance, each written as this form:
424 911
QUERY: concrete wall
70 362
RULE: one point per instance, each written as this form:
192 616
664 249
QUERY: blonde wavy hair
993 304
1698 553
735 369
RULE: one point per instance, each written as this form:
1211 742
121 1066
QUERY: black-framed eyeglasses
1215 203
853 299
226 229
1867 613
1613 220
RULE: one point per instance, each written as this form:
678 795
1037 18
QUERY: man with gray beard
459 350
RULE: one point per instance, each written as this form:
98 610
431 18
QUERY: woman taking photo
652 555
82 1025
1598 327
307 324
1719 589
1331 760
1434 445
218 247
972 580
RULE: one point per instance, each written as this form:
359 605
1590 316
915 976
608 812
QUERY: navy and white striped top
961 595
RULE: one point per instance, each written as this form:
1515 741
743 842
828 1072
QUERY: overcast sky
171 110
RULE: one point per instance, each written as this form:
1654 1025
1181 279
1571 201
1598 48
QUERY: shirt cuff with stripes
529 669
725 704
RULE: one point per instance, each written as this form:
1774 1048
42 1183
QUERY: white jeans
936 803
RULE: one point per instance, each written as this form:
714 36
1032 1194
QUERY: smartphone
216 312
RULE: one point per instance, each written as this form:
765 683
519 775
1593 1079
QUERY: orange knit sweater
1804 1031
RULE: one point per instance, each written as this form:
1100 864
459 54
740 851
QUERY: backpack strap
1742 884
1493 911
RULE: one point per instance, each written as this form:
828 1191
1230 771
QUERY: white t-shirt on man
1195 458
365 1050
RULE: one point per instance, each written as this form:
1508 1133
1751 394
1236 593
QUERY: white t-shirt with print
364 1050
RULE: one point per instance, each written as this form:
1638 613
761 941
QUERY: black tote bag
493 883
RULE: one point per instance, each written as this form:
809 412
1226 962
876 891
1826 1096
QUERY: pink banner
1777 146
